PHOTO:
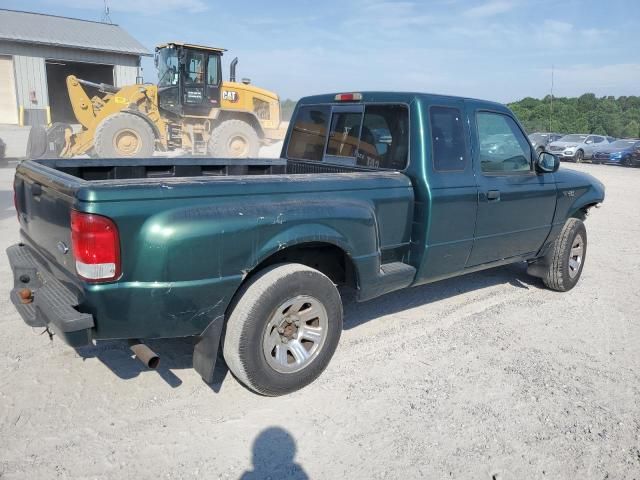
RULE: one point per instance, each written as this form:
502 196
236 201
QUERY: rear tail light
96 246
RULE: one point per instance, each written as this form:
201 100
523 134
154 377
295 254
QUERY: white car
577 147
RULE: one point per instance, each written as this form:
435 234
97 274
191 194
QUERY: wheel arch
244 116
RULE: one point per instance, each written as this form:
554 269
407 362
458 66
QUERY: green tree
631 130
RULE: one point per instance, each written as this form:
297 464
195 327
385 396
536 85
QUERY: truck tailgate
44 207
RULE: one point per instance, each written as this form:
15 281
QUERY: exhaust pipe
144 354
232 67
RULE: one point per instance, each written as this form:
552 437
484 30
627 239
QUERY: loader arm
90 112
80 102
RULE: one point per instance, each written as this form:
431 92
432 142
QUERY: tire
626 162
256 319
124 135
233 139
579 156
37 142
569 248
539 150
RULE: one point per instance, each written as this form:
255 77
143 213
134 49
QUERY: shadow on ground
274 451
177 354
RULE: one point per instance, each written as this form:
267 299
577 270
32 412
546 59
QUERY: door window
195 68
598 139
212 69
447 139
503 146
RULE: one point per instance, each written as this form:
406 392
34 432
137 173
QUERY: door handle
493 195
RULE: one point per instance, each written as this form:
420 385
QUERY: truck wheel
233 139
124 135
283 329
568 256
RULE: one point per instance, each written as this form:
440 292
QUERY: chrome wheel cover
295 334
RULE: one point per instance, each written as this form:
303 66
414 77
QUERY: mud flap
205 352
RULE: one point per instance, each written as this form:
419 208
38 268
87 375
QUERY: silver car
577 147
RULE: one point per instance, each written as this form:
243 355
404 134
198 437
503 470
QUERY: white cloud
489 9
618 79
382 15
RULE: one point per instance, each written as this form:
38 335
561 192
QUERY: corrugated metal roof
29 27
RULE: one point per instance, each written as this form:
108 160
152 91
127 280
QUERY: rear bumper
53 303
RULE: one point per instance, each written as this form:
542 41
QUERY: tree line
615 117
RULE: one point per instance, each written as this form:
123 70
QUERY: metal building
38 52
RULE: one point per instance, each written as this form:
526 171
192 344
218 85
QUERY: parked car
577 147
247 254
621 152
541 140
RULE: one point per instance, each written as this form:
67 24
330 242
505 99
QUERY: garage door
8 103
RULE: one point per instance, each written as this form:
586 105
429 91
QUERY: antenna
105 14
551 114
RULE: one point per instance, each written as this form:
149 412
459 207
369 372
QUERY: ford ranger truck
374 191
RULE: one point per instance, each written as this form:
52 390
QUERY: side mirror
547 163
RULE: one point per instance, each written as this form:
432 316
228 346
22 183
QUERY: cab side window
448 144
503 146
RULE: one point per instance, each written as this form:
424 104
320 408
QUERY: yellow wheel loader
191 108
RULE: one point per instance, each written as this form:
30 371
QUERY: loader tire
233 139
124 135
37 142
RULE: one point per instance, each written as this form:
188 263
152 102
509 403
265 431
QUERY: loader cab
189 78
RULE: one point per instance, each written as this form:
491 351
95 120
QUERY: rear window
384 138
344 134
309 133
377 137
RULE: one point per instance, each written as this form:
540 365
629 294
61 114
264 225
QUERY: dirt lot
489 375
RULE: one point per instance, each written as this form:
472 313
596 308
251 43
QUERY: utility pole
105 14
551 115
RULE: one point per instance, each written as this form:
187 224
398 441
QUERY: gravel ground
484 376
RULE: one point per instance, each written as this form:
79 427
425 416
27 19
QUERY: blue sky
494 49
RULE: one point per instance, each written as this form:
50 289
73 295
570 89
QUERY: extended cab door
515 204
447 212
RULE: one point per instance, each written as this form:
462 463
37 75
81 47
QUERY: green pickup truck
373 191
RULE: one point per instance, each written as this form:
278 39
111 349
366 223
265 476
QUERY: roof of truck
403 97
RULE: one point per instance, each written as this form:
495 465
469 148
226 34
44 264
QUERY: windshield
167 67
624 143
538 136
573 138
